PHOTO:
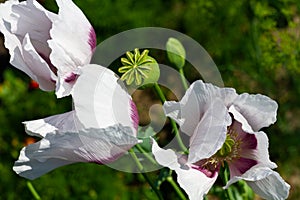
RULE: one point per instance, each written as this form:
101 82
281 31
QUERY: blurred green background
255 45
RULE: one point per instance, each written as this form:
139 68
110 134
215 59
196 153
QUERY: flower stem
183 79
177 189
33 191
225 175
146 154
141 168
173 124
177 135
160 93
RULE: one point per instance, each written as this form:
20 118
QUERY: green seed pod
139 69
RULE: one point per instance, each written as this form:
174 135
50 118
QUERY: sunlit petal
100 100
259 110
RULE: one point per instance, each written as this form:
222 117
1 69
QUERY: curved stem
160 93
183 79
173 123
176 188
146 154
33 191
177 135
141 168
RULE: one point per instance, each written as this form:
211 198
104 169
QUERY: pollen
229 151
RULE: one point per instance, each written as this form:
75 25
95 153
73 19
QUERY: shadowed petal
260 153
210 134
39 68
62 122
23 54
259 110
195 183
271 187
58 149
189 111
31 18
240 166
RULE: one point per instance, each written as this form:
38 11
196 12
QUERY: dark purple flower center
237 144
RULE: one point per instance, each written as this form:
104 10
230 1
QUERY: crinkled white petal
265 182
6 10
39 68
66 122
12 43
271 187
71 35
62 148
100 100
189 111
261 153
30 168
259 110
22 53
25 58
166 158
31 18
210 134
195 183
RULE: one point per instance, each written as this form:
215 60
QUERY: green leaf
176 52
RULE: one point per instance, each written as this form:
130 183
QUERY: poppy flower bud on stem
139 69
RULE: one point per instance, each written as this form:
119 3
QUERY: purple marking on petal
249 141
206 172
92 39
243 164
210 170
71 77
134 115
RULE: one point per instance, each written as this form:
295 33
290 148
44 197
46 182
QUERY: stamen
229 152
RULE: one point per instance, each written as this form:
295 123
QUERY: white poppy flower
100 129
224 127
48 47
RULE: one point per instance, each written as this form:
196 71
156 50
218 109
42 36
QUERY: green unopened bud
139 68
176 52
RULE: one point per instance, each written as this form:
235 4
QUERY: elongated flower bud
176 52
